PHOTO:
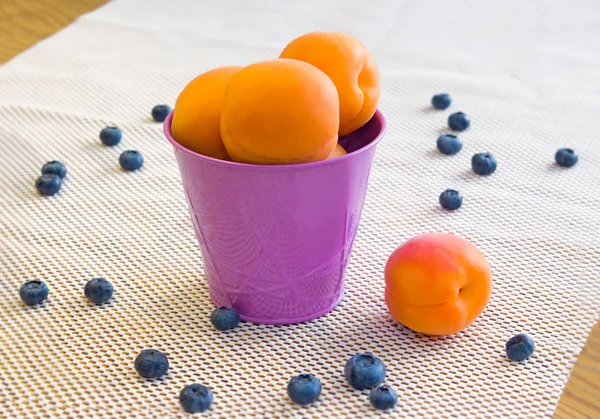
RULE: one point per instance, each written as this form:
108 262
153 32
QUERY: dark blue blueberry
98 290
111 136
566 157
519 347
483 163
364 371
441 101
458 121
48 184
131 160
383 397
33 292
160 112
195 398
449 144
54 168
304 389
224 318
151 363
451 199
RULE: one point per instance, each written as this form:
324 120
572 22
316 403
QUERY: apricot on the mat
352 68
197 116
437 284
280 112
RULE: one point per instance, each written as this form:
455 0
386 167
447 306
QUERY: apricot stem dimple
434 267
350 66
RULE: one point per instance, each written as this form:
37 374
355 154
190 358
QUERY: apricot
351 67
280 112
437 284
338 151
197 115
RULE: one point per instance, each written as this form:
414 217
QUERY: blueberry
304 389
458 121
33 292
483 163
519 347
54 168
151 363
383 397
441 101
131 160
566 157
48 184
160 112
364 371
224 318
451 199
111 136
195 398
449 144
98 290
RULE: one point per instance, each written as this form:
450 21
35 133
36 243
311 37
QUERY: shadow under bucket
276 240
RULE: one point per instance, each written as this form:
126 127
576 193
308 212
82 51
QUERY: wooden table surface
25 22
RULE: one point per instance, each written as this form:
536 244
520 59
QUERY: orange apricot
351 67
338 151
197 115
280 112
437 284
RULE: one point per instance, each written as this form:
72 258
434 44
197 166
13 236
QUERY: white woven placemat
526 72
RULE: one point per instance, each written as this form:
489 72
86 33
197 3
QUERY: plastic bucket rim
273 167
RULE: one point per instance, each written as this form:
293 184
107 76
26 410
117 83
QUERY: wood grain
25 22
581 397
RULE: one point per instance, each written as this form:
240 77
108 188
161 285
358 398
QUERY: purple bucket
276 240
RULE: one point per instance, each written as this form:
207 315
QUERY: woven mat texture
528 74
